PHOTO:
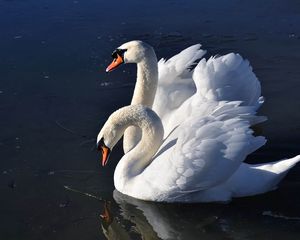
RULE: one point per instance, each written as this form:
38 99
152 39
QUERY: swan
169 87
200 161
187 132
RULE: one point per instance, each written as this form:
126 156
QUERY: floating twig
68 130
83 193
271 214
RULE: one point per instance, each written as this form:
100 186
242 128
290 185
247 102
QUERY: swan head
130 52
108 137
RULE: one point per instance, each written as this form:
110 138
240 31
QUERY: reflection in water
153 220
111 228
129 218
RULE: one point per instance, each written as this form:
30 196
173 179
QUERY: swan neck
136 160
147 78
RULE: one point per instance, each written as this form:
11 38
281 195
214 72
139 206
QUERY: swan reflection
148 220
129 218
112 229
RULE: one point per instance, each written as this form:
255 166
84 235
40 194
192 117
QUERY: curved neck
147 77
136 160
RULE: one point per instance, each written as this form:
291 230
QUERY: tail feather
259 178
279 167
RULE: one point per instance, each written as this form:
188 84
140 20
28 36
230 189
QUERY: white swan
193 148
200 161
169 87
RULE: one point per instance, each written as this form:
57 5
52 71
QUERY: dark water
55 95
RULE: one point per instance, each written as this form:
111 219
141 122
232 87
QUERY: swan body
191 146
200 161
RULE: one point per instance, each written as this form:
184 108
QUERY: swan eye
100 144
119 52
118 59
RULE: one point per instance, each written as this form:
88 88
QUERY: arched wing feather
207 152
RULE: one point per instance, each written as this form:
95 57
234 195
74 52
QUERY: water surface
55 95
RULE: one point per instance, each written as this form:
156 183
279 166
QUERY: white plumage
193 151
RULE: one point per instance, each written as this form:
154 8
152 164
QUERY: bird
188 129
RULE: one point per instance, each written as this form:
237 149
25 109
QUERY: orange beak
105 155
115 63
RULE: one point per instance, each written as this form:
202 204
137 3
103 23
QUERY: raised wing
205 152
227 78
175 83
211 149
224 78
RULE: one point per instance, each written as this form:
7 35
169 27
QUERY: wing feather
207 152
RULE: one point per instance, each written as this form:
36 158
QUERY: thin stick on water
68 130
274 215
93 147
83 193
